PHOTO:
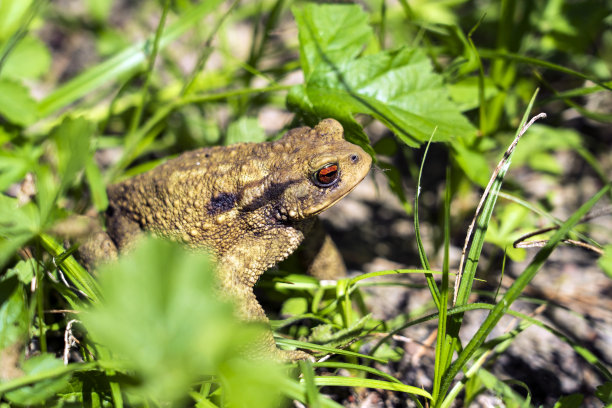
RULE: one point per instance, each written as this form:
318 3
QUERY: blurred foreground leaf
16 104
161 318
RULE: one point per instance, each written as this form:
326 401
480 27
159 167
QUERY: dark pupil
327 174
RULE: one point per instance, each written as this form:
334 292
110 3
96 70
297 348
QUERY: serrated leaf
398 87
16 104
339 30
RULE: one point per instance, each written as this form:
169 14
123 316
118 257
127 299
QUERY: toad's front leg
238 271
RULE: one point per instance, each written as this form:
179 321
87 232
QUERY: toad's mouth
318 209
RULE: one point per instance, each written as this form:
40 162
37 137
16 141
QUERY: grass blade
515 290
121 64
73 270
367 383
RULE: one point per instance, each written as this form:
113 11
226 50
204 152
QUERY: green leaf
537 150
41 390
16 104
465 92
397 87
14 321
507 227
472 162
15 163
330 33
24 270
29 59
18 224
245 129
500 388
604 393
99 9
97 187
570 401
72 138
295 306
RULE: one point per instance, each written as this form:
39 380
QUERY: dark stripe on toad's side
221 203
271 194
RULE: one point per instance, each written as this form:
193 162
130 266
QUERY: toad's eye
326 175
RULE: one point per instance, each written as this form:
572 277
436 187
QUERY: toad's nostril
354 158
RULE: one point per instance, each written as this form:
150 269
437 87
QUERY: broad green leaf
16 104
29 59
332 32
39 391
397 87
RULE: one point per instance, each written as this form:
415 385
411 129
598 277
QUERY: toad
250 204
